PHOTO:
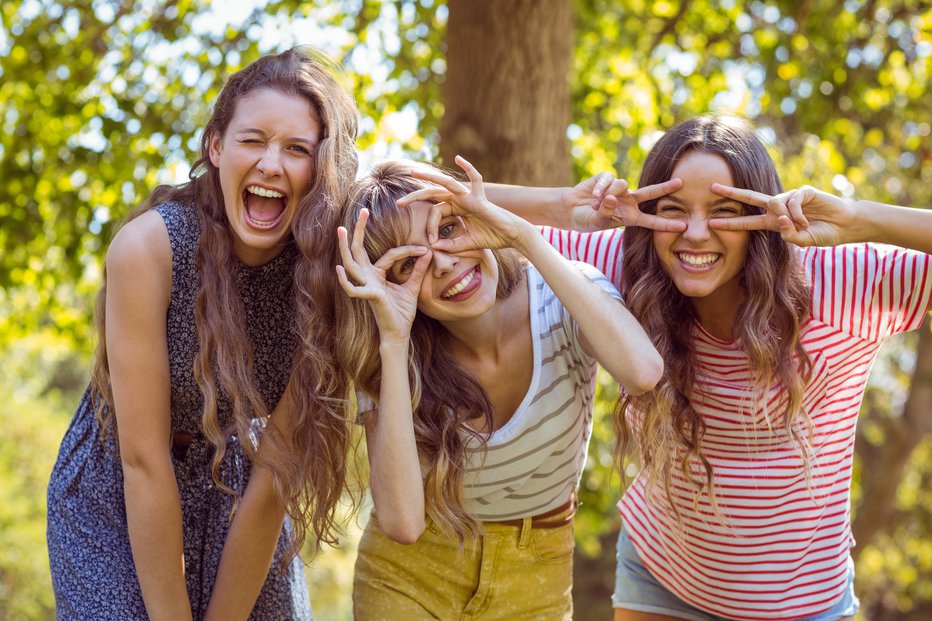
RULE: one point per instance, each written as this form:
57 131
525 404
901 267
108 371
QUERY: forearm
153 515
395 471
540 206
608 331
889 224
248 550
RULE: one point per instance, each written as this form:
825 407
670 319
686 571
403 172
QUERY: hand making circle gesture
394 304
486 225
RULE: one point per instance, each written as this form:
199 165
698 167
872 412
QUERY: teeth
449 293
259 191
698 260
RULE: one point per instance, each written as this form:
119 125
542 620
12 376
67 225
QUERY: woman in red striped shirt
768 308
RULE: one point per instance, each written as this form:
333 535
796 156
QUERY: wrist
394 346
561 216
528 242
868 223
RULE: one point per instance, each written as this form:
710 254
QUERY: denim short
636 589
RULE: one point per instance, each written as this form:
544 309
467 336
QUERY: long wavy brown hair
767 325
309 478
445 395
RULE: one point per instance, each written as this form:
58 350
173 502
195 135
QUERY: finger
607 206
749 197
442 179
433 194
616 188
454 245
394 255
659 223
359 238
650 192
475 179
744 223
790 233
602 182
434 216
348 287
346 256
795 205
418 272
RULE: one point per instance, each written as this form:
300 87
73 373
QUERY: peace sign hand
486 225
394 305
805 217
604 202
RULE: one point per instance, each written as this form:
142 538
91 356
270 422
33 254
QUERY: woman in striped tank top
768 308
475 373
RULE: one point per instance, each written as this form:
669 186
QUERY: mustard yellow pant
510 573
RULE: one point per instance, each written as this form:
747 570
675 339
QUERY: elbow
404 532
648 374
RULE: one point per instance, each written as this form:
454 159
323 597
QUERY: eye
728 211
407 265
449 229
248 140
300 149
671 210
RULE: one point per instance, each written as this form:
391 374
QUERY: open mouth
264 207
464 286
698 261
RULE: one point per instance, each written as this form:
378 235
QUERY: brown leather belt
544 520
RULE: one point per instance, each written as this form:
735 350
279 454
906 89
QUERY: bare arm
608 331
138 292
250 545
598 203
395 472
810 217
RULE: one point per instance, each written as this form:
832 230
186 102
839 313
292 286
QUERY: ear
214 149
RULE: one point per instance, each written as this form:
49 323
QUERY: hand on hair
805 217
487 225
393 304
604 202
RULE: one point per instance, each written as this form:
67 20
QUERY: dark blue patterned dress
92 565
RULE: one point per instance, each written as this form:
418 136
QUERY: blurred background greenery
100 100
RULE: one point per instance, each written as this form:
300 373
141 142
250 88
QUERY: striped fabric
779 545
534 462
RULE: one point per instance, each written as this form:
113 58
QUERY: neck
717 314
485 337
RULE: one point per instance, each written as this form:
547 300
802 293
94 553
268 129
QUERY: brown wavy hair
767 324
310 481
445 395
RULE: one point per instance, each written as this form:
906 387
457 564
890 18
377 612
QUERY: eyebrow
255 130
719 201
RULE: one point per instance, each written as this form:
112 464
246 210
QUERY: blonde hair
311 479
445 395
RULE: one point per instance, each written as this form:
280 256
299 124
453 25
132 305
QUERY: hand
805 217
394 305
604 202
486 225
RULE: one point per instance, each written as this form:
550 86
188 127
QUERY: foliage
101 100
33 423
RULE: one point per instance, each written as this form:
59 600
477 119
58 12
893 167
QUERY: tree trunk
882 466
506 93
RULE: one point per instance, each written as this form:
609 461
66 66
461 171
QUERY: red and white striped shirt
779 546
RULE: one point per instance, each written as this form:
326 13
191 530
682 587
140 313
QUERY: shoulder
141 250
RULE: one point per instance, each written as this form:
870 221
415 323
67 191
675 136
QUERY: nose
697 229
442 263
270 164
